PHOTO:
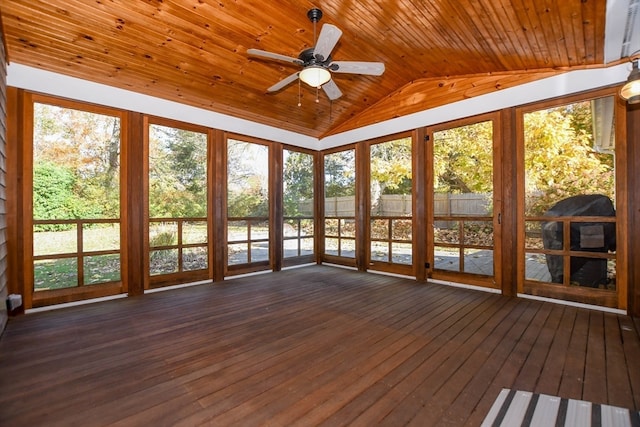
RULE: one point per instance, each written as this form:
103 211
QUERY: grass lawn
58 273
63 272
99 238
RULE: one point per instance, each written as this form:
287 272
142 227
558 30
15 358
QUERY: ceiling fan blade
329 36
332 90
271 55
284 82
357 67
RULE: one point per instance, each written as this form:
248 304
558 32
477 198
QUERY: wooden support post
419 205
275 207
363 214
135 209
633 159
508 205
14 197
319 208
219 208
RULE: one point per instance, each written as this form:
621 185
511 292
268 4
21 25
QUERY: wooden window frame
494 281
20 130
57 296
274 191
613 299
389 266
181 276
301 259
359 257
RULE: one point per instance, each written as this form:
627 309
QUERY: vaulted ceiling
195 51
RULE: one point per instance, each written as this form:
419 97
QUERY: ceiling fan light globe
315 76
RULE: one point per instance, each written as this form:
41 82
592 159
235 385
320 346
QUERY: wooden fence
468 204
471 204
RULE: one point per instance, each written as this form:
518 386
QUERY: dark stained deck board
632 354
337 378
339 397
553 367
403 380
471 395
511 367
618 385
316 345
572 381
433 374
595 383
383 391
460 378
384 307
532 369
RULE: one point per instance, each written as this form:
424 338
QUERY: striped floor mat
514 408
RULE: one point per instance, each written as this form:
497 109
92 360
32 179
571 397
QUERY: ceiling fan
317 64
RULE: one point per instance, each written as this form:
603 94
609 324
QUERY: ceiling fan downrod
314 16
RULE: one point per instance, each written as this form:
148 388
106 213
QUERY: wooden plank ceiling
195 51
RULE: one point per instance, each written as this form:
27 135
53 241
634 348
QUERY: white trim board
50 83
551 87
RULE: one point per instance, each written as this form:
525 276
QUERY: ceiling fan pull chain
299 94
317 95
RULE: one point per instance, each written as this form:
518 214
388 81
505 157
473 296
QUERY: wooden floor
312 346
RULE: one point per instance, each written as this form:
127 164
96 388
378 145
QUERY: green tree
560 160
391 166
340 174
86 145
390 170
251 202
247 179
297 181
189 161
55 195
177 172
463 159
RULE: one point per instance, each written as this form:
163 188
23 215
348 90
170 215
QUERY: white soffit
69 87
50 83
560 85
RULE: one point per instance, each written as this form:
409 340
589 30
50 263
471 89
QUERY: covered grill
585 237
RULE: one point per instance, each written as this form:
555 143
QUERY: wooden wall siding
194 52
3 187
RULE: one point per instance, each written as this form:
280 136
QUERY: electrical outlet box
14 301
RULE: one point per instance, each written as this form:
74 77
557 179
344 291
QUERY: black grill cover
585 236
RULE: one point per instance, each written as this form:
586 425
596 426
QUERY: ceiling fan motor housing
308 58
